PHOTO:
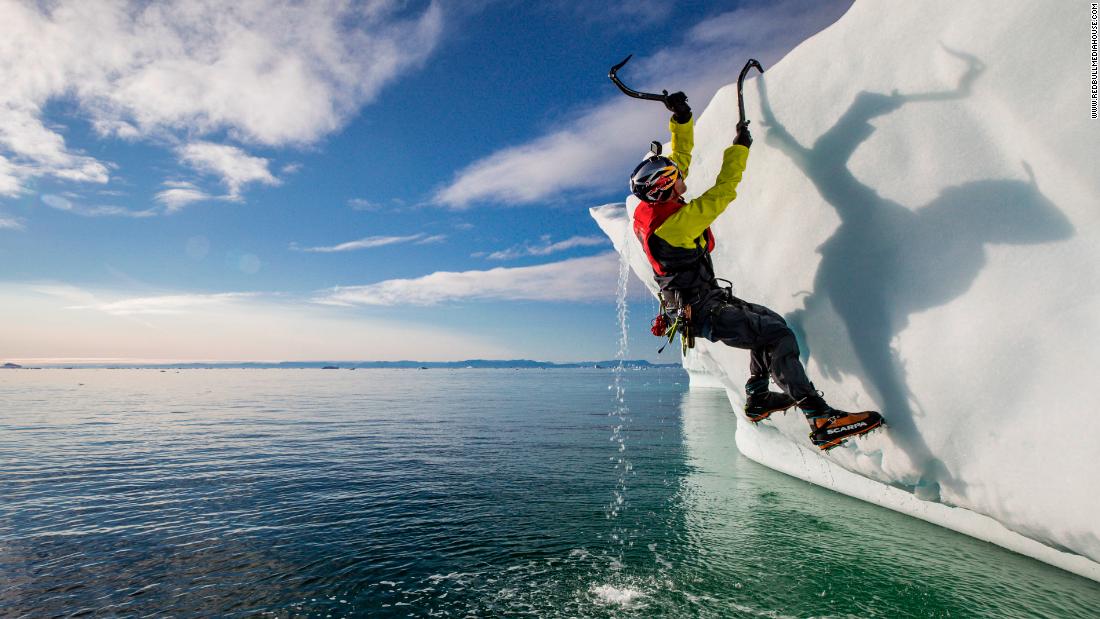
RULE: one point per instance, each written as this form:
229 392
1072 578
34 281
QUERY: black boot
761 403
830 427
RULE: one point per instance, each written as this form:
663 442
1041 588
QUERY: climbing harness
674 317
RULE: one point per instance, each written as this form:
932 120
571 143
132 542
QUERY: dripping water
620 415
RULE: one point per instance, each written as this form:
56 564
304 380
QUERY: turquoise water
448 493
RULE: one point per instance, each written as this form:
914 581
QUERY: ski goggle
660 182
665 177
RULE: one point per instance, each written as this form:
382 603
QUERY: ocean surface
448 493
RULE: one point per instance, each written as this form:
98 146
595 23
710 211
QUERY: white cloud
371 242
267 72
29 149
180 194
585 156
115 128
545 247
9 177
595 151
235 167
580 279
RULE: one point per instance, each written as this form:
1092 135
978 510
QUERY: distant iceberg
920 203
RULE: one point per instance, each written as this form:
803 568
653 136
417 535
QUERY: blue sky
333 180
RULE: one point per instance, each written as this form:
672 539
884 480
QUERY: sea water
447 493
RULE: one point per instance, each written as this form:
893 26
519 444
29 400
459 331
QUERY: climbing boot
830 427
761 403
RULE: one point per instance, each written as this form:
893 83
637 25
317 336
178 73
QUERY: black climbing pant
773 349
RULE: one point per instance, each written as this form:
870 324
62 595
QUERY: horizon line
146 361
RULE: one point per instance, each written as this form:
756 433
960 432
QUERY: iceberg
920 204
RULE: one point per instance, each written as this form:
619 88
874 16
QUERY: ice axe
752 63
663 97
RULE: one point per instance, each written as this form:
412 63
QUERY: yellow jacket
684 227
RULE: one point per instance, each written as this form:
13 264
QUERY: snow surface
921 204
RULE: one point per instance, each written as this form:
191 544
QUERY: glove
677 103
744 138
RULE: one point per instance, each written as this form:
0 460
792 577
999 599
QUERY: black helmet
653 179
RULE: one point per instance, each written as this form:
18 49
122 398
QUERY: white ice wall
921 204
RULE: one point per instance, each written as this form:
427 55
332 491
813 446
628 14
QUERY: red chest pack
648 217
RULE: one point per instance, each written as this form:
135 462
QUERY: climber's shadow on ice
886 261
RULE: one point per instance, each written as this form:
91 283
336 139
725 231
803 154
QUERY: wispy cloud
267 72
580 279
64 204
10 223
235 167
165 304
81 298
359 204
626 15
595 150
373 241
65 292
545 247
393 205
60 321
435 238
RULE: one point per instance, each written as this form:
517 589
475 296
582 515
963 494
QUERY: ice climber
678 241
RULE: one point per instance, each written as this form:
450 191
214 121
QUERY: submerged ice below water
446 493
